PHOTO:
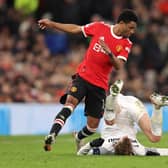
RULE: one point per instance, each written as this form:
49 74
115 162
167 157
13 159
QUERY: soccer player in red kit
109 48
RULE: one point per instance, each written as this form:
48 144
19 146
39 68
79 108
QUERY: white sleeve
138 149
83 31
108 144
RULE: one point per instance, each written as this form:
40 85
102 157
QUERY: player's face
128 29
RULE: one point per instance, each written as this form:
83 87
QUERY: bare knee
92 122
71 101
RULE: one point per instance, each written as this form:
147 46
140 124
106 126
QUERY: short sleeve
125 51
91 29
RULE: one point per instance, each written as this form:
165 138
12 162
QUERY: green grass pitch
27 152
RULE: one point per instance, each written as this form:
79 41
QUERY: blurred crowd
36 65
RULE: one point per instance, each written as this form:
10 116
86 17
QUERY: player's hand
104 46
44 23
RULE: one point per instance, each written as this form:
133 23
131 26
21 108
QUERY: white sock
110 105
156 121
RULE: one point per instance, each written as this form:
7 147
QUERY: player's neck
116 30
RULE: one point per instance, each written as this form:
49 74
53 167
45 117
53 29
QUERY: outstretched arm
69 28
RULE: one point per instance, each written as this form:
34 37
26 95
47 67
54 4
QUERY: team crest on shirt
73 89
119 48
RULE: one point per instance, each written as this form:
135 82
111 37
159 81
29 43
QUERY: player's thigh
78 88
94 102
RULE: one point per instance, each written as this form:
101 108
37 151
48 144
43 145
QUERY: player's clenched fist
43 23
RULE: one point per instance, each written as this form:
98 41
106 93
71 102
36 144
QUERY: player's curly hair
124 147
127 16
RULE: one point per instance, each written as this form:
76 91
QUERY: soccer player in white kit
121 114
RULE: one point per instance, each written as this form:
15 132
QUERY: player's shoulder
95 23
103 24
128 44
127 41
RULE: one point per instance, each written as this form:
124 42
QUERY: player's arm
139 114
144 121
145 125
69 28
117 63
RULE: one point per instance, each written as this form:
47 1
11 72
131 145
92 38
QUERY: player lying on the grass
119 133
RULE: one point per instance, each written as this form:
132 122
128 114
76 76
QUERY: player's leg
159 100
116 87
94 107
152 127
75 95
89 129
59 121
110 103
156 120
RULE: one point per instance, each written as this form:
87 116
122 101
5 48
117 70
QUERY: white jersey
128 111
109 142
138 149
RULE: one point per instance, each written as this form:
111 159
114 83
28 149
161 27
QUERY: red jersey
96 66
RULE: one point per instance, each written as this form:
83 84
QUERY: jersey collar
114 35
